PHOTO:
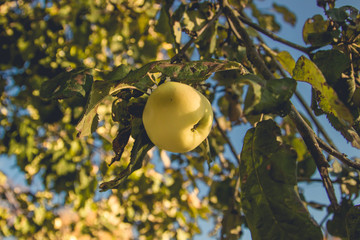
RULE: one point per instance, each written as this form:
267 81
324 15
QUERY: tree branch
232 149
241 34
309 138
306 132
274 37
341 156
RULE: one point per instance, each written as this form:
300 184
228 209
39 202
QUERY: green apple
177 118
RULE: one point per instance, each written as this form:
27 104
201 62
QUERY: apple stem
195 126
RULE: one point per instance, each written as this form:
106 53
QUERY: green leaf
337 14
141 146
205 151
287 15
352 221
351 11
231 225
349 133
273 97
67 84
195 71
337 226
305 70
193 20
272 207
119 143
39 215
331 63
315 31
306 167
163 26
99 91
118 73
286 61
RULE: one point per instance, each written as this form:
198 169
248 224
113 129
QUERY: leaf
287 15
195 71
163 26
231 225
272 207
99 91
118 73
286 61
337 14
270 98
205 151
266 21
351 11
352 221
337 226
349 133
193 20
119 143
331 63
315 31
305 70
307 167
141 146
67 84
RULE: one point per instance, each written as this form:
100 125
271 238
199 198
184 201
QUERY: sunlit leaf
286 61
99 91
315 31
305 70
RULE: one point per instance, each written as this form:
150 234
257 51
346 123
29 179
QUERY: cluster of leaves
73 126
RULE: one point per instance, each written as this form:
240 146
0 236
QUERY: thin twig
302 179
183 50
232 149
274 37
341 156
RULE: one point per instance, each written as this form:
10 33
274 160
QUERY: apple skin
177 118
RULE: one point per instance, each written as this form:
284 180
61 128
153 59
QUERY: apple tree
75 78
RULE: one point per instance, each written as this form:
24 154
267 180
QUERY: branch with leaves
307 134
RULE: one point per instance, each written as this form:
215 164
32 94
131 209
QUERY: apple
177 117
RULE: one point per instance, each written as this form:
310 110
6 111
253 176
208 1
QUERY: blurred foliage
75 76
